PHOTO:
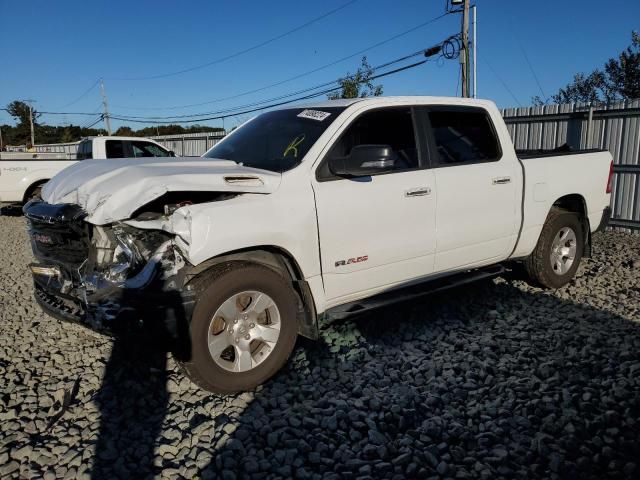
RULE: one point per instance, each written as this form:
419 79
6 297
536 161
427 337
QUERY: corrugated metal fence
184 145
190 144
615 127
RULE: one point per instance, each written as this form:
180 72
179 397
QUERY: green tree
358 85
124 132
619 80
623 73
20 111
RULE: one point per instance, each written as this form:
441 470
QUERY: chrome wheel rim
244 331
563 251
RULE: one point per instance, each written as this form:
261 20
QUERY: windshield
276 141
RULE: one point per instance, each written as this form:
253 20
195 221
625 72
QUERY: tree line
20 133
618 79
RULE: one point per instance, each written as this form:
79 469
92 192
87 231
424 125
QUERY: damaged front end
113 278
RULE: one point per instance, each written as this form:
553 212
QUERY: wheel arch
576 203
31 188
283 262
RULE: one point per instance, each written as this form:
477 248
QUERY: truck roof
114 137
418 99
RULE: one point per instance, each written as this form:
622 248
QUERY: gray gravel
496 380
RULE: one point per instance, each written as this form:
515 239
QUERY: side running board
412 292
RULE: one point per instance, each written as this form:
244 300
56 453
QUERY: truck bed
559 173
554 152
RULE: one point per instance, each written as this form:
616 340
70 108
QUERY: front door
376 231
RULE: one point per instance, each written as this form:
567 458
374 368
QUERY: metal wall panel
186 145
190 144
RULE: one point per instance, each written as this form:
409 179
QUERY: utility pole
33 137
30 103
464 54
105 114
475 55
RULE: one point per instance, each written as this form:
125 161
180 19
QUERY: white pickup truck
328 210
22 175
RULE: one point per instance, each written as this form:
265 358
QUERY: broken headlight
126 258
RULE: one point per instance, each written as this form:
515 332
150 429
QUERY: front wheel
557 255
243 328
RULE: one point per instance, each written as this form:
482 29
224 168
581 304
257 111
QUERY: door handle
501 180
418 192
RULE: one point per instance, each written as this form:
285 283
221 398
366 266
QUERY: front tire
243 328
557 255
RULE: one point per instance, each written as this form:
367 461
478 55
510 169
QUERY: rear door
478 188
376 231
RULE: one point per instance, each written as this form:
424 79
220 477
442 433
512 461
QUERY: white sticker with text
314 115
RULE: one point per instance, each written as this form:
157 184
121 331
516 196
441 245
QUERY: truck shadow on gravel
486 381
133 397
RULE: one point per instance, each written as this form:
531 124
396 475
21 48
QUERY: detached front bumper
121 311
150 305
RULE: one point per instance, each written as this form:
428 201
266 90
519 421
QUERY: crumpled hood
111 190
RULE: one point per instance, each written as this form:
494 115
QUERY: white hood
111 190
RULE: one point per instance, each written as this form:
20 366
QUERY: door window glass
463 136
393 127
146 149
115 149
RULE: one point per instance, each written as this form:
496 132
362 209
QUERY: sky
55 51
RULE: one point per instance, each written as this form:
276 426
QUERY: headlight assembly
126 258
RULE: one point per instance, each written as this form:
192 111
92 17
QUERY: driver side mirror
364 160
172 153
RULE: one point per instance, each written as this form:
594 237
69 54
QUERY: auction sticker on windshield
314 114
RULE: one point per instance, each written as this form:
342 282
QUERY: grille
58 233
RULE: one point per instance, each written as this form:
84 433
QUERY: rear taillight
610 180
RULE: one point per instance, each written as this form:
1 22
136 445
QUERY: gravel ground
496 380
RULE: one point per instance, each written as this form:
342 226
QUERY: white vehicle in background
329 210
23 174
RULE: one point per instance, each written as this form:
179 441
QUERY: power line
58 113
246 50
316 94
504 84
433 50
94 123
295 77
533 72
526 58
298 92
81 96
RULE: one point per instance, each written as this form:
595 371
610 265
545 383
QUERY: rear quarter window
85 150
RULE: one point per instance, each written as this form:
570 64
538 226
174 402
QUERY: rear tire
225 328
557 255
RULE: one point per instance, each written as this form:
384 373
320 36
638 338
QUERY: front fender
250 221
